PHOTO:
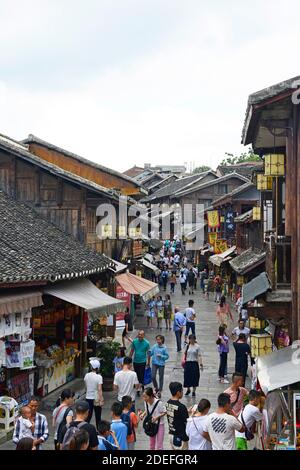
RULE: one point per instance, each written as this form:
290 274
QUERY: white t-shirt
126 381
251 415
194 430
25 428
237 331
92 380
221 429
161 408
189 312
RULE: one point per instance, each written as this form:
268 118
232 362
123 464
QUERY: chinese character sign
229 224
212 238
213 219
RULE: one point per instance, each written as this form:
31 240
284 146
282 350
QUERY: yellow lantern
240 280
222 219
256 323
106 230
256 214
132 232
274 164
139 273
264 183
261 345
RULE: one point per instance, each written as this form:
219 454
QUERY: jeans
184 445
172 287
161 371
223 364
98 411
183 288
178 335
190 325
157 441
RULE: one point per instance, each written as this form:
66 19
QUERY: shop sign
229 223
27 355
213 219
212 238
220 246
125 297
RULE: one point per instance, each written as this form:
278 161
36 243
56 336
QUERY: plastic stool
8 409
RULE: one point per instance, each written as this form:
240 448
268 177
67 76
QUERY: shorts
241 443
150 314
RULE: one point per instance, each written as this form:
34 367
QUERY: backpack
125 417
150 428
62 424
72 430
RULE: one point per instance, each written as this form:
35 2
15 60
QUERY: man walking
139 351
191 280
178 327
190 320
177 415
219 427
126 381
241 328
237 393
249 417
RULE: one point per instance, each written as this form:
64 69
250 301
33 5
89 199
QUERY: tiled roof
247 261
33 249
235 192
197 185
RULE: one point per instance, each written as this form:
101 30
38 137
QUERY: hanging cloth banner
27 354
213 219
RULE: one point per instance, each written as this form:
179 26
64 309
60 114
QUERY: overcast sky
125 82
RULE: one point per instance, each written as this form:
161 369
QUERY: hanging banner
213 219
125 297
229 224
27 354
220 246
212 238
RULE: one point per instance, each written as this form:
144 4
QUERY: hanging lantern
256 323
106 231
274 164
256 213
132 232
261 345
264 183
122 231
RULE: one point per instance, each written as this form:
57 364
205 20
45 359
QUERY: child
104 432
131 420
24 423
159 311
151 312
119 359
118 427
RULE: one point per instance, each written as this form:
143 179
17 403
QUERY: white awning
119 267
279 369
151 266
217 260
21 301
85 294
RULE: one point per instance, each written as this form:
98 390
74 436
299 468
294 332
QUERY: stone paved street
206 330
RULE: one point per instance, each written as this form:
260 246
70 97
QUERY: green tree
201 169
248 156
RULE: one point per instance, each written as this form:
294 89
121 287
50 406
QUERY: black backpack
62 425
150 428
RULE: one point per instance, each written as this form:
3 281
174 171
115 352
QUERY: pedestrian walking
160 355
151 312
192 365
126 382
242 354
221 425
24 424
118 427
240 329
190 316
131 420
154 421
191 280
168 311
39 422
165 277
182 281
82 411
125 334
250 416
119 360
94 395
173 282
139 351
223 350
177 415
63 414
218 288
195 424
237 393
178 326
159 311
224 312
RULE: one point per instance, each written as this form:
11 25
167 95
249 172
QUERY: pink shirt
237 408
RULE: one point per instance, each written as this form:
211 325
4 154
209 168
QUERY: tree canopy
248 156
201 169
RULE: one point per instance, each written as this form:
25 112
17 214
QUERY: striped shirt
40 429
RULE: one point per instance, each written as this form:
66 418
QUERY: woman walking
242 352
157 410
182 280
173 282
193 364
168 311
195 424
160 355
159 311
63 413
151 312
224 312
94 396
223 350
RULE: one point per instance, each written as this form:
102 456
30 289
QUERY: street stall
60 329
16 344
220 261
279 378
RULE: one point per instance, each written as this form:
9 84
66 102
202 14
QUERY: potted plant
106 352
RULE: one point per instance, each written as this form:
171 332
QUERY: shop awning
137 285
151 266
85 294
217 260
259 285
279 369
20 301
119 267
206 249
247 261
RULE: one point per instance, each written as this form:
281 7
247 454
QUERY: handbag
147 376
183 362
248 434
150 428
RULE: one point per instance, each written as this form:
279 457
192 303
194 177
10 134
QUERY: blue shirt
179 321
164 355
120 430
118 362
